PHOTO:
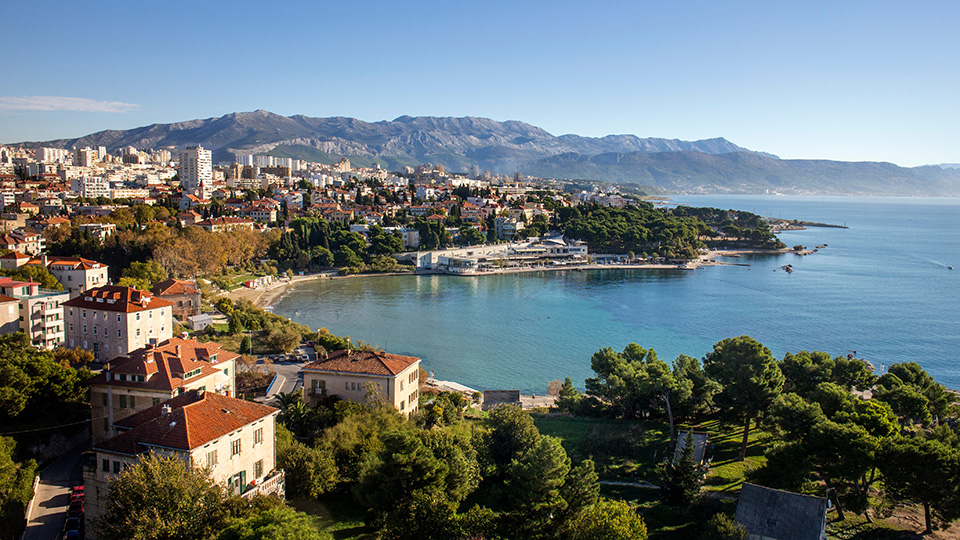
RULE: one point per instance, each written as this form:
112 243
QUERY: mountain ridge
457 143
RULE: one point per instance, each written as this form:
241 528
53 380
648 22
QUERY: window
118 318
106 425
119 333
401 386
133 400
138 316
156 401
71 327
226 371
123 401
105 399
258 469
346 386
212 459
84 329
258 437
235 448
138 332
84 313
402 403
94 330
105 465
116 467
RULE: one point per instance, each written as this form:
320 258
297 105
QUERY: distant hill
710 165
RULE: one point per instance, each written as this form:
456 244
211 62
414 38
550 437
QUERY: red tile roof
364 362
116 298
165 365
195 418
175 286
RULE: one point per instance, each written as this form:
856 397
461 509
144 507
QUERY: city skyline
851 82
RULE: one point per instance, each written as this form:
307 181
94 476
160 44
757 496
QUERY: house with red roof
361 375
112 321
155 373
184 295
231 438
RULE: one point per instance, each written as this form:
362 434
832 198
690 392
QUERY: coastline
265 297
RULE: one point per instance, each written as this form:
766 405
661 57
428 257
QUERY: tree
34 379
275 524
16 489
721 527
925 471
606 520
145 274
680 477
750 377
36 273
160 497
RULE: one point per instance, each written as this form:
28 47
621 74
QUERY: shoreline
266 297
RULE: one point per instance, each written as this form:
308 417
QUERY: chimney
177 349
165 410
200 392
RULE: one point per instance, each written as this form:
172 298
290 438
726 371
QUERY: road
288 373
49 510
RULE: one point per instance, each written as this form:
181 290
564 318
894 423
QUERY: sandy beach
265 297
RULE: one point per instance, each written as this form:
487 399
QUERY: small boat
788 268
949 268
821 246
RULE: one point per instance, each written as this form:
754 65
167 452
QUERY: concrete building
235 440
196 171
76 274
9 314
184 295
112 321
359 375
40 311
90 186
155 373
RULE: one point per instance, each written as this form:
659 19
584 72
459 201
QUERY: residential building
112 321
90 186
76 274
184 295
99 230
356 375
235 440
9 314
40 311
196 171
769 514
226 223
155 373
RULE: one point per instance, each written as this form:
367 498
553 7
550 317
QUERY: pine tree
680 479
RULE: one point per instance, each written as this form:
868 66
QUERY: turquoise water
881 288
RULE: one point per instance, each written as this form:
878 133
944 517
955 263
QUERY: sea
882 289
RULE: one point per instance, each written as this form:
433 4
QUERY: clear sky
858 81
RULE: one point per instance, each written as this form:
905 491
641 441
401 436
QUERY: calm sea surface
881 287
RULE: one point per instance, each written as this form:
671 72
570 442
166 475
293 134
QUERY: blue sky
858 81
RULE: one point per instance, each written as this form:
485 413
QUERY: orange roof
116 298
4 299
75 262
175 286
165 365
14 255
194 419
365 362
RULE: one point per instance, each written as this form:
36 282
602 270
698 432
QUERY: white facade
196 171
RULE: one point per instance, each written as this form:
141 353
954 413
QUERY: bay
882 287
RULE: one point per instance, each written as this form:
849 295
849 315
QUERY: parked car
76 508
73 528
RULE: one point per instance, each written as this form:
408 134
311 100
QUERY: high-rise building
85 157
196 171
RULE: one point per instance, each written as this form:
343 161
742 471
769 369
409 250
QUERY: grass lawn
623 450
339 515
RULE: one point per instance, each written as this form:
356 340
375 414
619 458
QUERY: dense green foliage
35 273
162 498
16 489
33 382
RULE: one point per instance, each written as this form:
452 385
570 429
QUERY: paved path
49 510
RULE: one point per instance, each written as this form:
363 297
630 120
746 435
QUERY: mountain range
709 165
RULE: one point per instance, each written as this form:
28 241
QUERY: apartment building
40 311
359 375
112 321
196 171
232 438
155 373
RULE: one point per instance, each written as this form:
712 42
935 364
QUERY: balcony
273 484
